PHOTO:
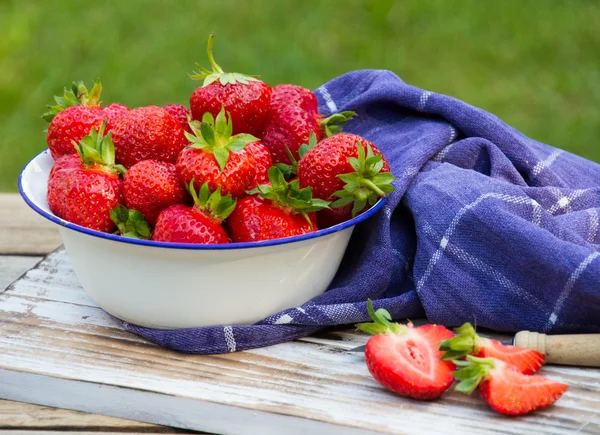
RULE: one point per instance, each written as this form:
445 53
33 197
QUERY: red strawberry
405 359
263 162
198 224
85 195
72 118
148 133
294 95
112 114
290 124
217 158
274 211
180 113
246 98
68 161
150 186
504 388
340 167
130 223
467 342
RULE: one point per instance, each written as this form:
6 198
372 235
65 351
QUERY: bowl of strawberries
224 213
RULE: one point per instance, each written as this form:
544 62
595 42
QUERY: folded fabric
486 225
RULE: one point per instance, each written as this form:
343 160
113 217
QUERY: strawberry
180 113
467 342
340 167
504 388
290 124
151 186
72 118
130 223
245 97
198 224
148 133
112 114
263 162
274 211
68 161
294 95
290 171
217 158
84 195
405 359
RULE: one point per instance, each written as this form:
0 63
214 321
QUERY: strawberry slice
405 359
504 388
467 342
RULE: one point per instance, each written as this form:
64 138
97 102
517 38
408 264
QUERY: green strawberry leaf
475 370
77 95
217 74
336 122
130 223
97 149
215 205
463 343
366 184
382 322
289 194
214 137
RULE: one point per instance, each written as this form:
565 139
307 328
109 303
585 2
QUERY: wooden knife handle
576 349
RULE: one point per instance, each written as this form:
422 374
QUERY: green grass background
536 64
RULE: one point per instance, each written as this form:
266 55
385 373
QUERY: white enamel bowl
174 285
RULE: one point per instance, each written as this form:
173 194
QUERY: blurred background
535 64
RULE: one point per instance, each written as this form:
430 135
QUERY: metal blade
358 349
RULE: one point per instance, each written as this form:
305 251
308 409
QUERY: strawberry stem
368 183
98 150
217 72
211 59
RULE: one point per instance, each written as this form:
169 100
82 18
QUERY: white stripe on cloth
546 163
423 100
593 225
328 100
487 269
444 242
568 287
228 332
564 202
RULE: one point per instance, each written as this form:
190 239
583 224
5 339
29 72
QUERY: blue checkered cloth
486 225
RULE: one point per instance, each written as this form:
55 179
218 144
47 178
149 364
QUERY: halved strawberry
467 342
405 359
504 388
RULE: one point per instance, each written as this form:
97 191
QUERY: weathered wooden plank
57 348
19 415
13 266
23 231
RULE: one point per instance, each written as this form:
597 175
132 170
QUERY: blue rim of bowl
235 245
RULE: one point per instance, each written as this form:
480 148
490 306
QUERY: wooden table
26 237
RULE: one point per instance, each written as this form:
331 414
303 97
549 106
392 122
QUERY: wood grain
23 231
19 415
57 348
13 266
